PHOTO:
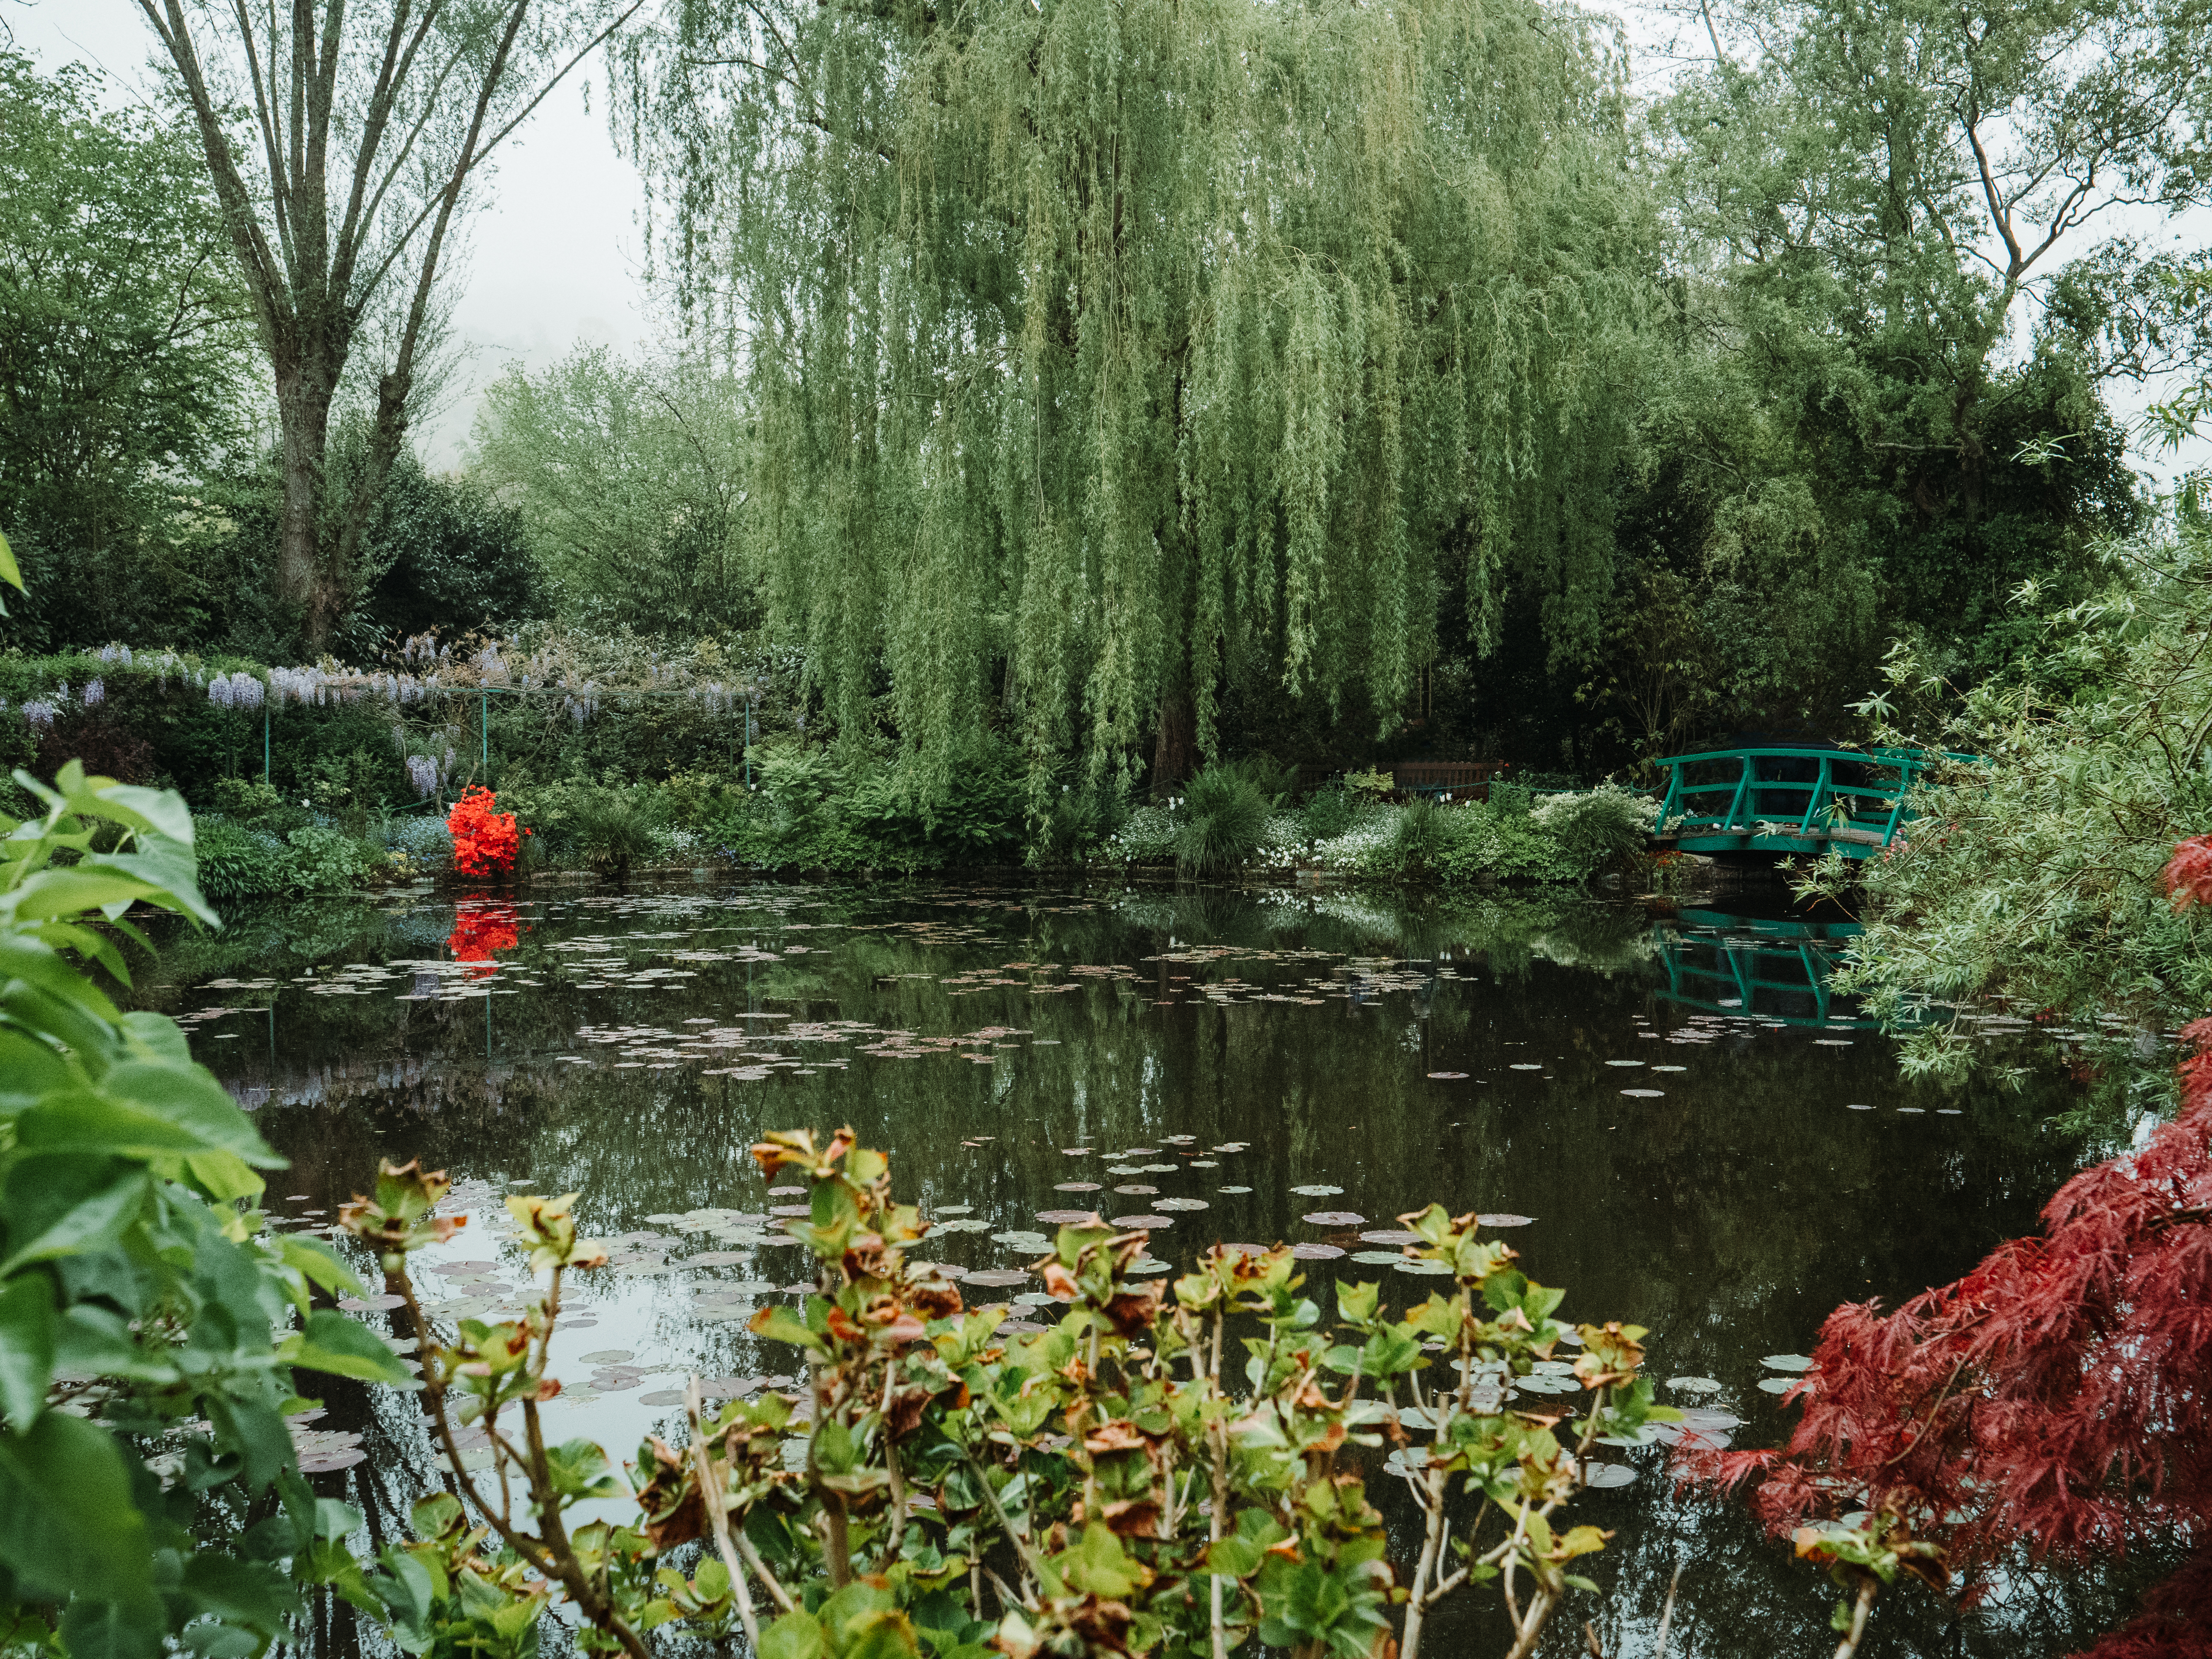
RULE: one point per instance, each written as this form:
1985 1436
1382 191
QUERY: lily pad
1316 1252
1694 1384
1426 1268
1447 1077
996 1277
1644 1094
1232 1189
1076 1187
1788 1361
1494 1220
1135 1222
1065 1217
956 1209
1608 1474
963 1225
1023 1238
1390 1236
1776 1384
1335 1218
1136 1189
1180 1204
1378 1258
1317 1190
608 1356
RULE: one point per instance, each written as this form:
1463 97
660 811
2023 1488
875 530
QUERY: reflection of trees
1729 1215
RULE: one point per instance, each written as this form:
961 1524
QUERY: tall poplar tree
342 138
1103 350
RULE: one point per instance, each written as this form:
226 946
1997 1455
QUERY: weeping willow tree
1107 352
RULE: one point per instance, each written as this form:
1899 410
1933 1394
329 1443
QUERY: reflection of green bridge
1790 798
1770 971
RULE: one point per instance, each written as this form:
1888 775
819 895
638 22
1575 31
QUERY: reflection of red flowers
480 927
485 841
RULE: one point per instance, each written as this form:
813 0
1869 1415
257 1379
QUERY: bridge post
1812 800
1905 769
1742 784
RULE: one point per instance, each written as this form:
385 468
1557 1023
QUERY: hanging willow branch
1105 352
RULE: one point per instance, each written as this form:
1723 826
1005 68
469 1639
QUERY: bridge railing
1855 797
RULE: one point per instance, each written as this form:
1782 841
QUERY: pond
1672 1116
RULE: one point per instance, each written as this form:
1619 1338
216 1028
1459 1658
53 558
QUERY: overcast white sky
556 255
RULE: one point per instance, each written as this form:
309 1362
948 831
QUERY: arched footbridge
1799 800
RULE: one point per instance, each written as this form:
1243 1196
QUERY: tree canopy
122 354
1107 354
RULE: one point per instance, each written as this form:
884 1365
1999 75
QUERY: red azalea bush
485 841
2058 1396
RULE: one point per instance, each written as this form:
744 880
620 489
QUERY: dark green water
1704 1143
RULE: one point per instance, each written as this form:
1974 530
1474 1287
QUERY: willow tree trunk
1174 751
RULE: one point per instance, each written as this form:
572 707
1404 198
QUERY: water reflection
1708 1143
1772 967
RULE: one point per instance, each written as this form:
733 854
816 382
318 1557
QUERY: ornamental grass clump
1226 810
1120 1483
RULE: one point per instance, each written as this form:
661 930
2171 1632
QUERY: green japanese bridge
1788 799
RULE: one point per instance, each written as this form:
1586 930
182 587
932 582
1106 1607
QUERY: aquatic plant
1097 1472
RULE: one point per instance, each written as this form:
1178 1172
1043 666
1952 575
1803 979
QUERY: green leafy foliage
1245 408
145 1318
2030 875
1077 1455
1224 814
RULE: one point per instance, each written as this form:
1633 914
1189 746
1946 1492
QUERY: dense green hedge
154 723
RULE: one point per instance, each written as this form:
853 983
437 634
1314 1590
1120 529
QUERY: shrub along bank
806 812
618 756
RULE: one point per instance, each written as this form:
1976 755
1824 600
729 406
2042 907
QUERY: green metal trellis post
264 741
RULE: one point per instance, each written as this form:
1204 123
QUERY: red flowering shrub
2056 1396
482 926
485 841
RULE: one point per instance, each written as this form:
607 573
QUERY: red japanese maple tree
2059 1396
485 842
